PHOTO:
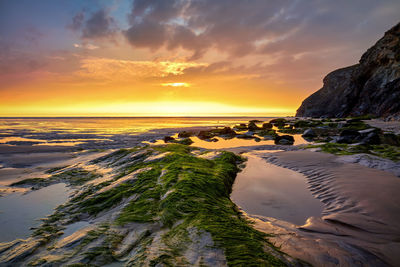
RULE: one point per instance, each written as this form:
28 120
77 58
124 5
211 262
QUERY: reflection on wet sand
18 213
266 189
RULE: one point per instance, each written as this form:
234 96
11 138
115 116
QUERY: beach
316 208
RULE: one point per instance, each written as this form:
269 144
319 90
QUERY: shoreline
340 236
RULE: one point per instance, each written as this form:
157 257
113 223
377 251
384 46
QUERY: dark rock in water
252 126
168 139
309 133
205 135
240 127
348 137
185 134
22 143
227 131
267 125
284 140
184 141
371 87
280 123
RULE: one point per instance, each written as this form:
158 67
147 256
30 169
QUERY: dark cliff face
371 87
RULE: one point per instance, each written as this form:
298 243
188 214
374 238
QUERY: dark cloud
77 21
99 25
240 28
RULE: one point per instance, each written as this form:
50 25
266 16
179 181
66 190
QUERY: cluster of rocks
345 131
255 130
282 131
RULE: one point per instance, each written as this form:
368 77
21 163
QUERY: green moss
184 141
179 193
291 131
52 170
32 181
387 151
384 151
199 192
76 176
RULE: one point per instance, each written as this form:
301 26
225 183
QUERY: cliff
371 87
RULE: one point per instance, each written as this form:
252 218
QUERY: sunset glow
128 57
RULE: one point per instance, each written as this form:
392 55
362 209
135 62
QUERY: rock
348 137
205 135
370 87
185 141
249 133
252 126
309 133
280 123
185 134
284 140
168 139
240 127
367 131
245 136
371 139
227 131
267 125
390 139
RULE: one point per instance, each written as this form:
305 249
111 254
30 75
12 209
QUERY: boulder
390 139
185 134
309 133
267 125
227 131
252 126
168 139
205 135
348 137
372 138
284 140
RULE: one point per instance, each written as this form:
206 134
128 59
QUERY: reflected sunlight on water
113 125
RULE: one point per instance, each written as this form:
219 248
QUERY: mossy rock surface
166 202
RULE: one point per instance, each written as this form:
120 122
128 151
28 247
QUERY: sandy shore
360 223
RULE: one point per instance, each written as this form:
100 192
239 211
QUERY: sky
178 57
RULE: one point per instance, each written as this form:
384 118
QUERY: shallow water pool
272 191
18 213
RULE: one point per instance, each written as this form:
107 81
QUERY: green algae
181 187
74 177
383 150
176 193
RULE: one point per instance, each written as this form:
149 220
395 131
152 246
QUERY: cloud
99 25
105 69
86 46
242 28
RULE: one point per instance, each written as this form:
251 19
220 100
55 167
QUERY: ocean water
113 125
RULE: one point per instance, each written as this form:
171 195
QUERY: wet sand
262 188
361 219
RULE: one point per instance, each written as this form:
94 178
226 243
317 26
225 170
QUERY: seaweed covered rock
162 206
252 126
185 134
168 139
267 125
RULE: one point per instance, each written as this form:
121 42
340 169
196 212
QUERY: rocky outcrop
371 87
